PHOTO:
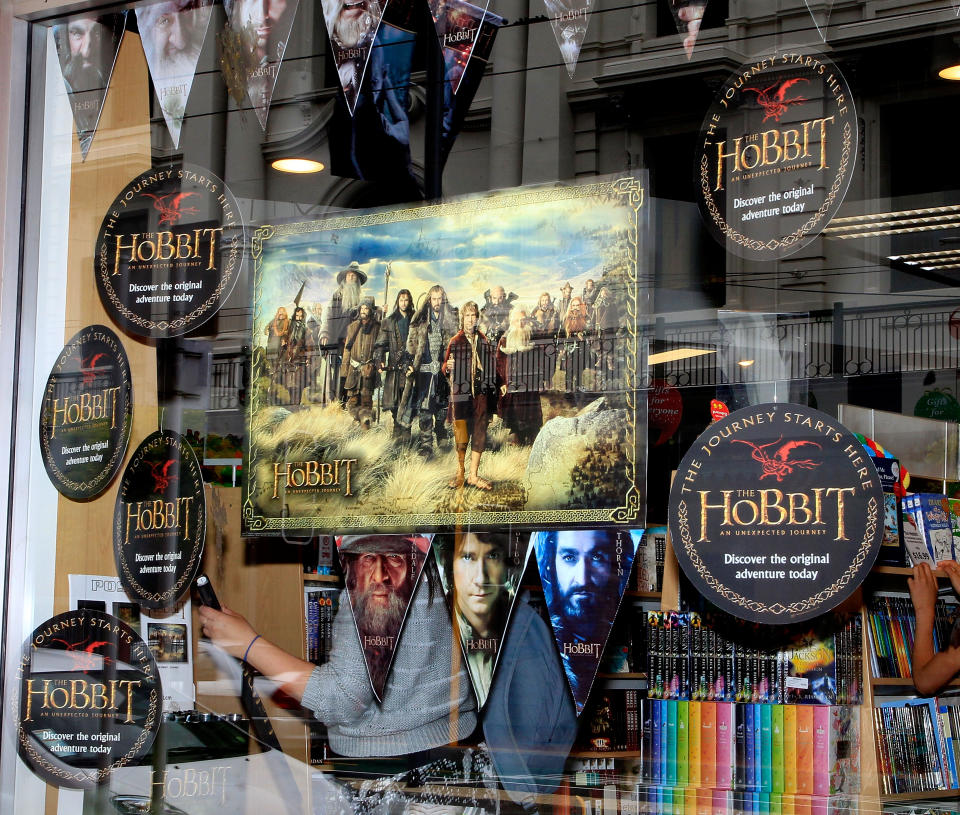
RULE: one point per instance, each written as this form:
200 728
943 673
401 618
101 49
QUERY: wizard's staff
386 311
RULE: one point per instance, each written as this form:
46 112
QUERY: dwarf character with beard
380 572
298 355
574 349
581 580
359 370
391 349
352 25
523 373
341 312
606 323
277 332
495 315
172 33
564 305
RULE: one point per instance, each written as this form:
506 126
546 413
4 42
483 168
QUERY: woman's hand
227 630
923 590
952 568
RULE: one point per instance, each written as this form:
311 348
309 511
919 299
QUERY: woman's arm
231 632
931 670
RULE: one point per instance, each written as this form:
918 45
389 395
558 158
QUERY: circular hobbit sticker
159 522
89 698
776 513
87 413
169 251
777 152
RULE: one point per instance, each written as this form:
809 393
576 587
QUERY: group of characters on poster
433 363
584 574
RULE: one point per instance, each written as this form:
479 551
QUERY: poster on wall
172 33
457 24
87 48
778 148
87 699
776 513
584 574
480 573
167 632
251 49
160 521
87 413
363 410
688 15
569 20
169 251
352 28
381 573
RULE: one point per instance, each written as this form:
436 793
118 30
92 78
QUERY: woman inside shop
932 669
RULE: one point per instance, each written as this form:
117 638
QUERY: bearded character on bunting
480 573
381 572
352 27
172 33
87 49
252 47
584 574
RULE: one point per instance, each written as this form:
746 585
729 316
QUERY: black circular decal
169 251
88 701
159 522
776 513
87 413
776 154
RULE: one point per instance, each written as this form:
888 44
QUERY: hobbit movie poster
473 362
480 573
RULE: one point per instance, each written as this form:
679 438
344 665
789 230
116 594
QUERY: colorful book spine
776 728
766 748
670 743
790 749
708 744
805 749
694 735
725 745
683 743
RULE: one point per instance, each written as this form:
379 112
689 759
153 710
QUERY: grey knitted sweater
424 706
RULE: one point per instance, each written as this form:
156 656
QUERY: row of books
689 659
320 605
916 747
792 749
931 528
891 626
649 560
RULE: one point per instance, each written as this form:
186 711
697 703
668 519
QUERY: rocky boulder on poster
573 458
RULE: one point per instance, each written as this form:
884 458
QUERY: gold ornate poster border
630 191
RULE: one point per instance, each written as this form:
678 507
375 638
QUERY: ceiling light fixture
745 363
675 354
297 165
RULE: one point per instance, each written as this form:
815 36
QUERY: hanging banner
316 461
252 45
820 12
87 413
584 574
172 33
87 48
688 15
160 521
480 573
778 150
352 27
464 66
372 142
88 699
169 251
569 20
776 513
381 573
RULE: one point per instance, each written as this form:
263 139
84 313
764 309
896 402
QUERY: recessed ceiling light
951 72
745 363
297 165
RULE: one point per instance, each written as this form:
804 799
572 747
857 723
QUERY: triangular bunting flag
172 33
584 574
465 71
251 49
688 15
458 26
87 47
381 573
480 573
569 19
352 27
820 11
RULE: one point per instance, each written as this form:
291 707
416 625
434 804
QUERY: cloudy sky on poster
526 250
